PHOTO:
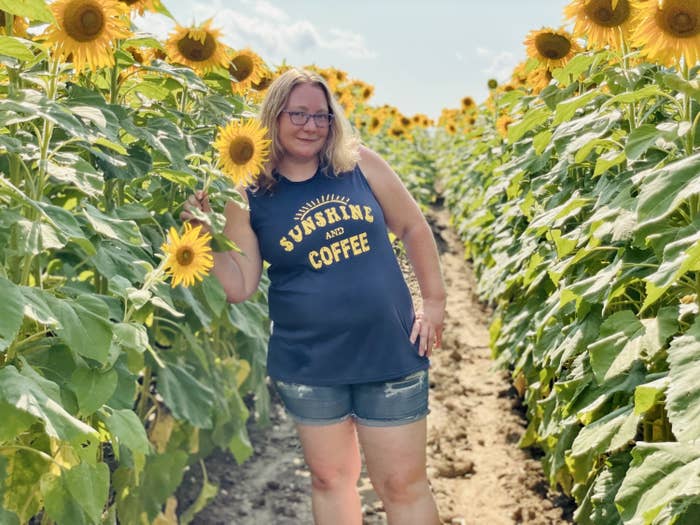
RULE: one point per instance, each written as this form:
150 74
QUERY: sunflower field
575 188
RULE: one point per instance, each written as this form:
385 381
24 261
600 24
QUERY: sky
420 56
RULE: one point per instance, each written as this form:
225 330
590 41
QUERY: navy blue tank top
339 304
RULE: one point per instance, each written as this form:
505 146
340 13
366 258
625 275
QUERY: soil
478 473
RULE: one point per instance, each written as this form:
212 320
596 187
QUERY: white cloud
500 64
268 30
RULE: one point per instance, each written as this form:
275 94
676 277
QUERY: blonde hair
340 152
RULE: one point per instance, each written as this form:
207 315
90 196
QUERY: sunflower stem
114 84
687 112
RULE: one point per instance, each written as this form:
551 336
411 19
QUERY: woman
347 354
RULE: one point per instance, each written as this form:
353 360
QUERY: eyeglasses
300 118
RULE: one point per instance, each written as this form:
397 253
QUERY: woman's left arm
406 221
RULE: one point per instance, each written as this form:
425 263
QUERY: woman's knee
402 486
328 478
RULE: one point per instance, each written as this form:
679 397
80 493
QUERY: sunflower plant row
112 379
581 214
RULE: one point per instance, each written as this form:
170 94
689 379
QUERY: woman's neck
297 171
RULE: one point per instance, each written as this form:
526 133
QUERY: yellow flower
243 149
538 79
189 257
247 68
551 47
502 125
197 47
599 22
19 25
86 31
666 31
140 6
467 103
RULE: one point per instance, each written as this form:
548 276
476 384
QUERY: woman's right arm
238 272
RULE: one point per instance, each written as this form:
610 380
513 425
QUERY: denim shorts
380 404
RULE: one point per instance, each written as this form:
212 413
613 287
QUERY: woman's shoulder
371 164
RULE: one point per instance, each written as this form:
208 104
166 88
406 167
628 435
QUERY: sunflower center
682 22
241 150
552 46
241 67
84 20
602 13
263 84
196 50
185 256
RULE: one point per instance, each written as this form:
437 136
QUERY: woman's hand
428 326
198 201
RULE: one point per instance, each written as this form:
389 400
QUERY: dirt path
478 473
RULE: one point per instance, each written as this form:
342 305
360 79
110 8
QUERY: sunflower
375 124
600 22
467 103
502 125
666 31
551 47
19 25
189 257
197 47
538 79
86 31
247 68
243 149
139 6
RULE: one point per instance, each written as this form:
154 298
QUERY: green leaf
659 474
59 503
186 397
608 160
11 312
690 88
624 338
22 473
598 508
532 119
26 395
93 388
84 325
639 140
610 433
128 429
89 486
567 109
648 91
680 257
114 228
32 9
132 335
161 476
663 190
683 392
646 396
14 47
14 422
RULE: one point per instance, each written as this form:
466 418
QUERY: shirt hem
351 380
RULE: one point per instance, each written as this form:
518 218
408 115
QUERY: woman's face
303 142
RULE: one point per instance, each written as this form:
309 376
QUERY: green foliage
109 378
582 226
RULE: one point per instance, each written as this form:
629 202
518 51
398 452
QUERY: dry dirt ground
478 473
